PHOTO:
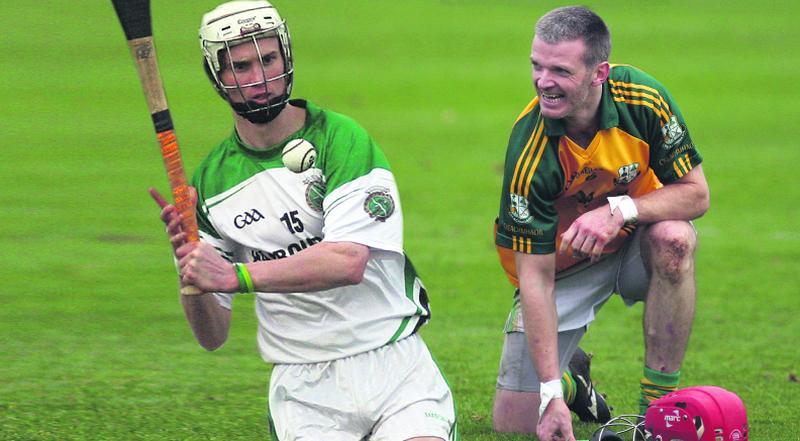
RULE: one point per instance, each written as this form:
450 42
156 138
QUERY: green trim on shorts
272 433
453 430
513 322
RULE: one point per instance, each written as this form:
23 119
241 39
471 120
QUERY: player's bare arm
319 267
325 265
537 298
685 199
209 321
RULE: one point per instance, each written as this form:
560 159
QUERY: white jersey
252 208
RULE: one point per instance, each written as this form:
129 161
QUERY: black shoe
589 405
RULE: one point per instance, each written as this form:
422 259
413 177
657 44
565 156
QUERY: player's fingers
157 197
597 250
167 213
588 245
184 253
186 276
177 240
174 225
566 239
579 243
193 195
566 431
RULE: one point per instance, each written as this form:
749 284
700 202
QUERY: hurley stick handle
134 16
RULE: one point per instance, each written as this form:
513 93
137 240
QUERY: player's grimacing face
561 78
257 78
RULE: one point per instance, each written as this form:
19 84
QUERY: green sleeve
528 219
348 153
672 151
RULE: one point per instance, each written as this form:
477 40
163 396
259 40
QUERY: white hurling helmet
244 22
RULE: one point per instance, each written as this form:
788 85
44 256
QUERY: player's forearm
209 321
537 298
541 328
322 266
685 199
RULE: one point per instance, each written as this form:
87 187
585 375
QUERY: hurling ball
298 155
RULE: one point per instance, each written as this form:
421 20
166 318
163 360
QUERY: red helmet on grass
702 413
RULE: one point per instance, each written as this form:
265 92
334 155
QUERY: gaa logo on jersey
379 203
519 209
627 173
673 132
315 192
247 218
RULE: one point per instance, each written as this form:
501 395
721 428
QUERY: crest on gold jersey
627 173
673 132
518 209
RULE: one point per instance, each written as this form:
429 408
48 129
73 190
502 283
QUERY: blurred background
93 344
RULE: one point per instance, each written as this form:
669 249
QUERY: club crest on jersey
315 192
627 173
379 203
673 132
519 209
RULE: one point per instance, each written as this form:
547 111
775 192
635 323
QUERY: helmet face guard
702 413
246 23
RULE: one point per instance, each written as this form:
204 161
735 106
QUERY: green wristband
245 281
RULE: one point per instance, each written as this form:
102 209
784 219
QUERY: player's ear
210 76
601 72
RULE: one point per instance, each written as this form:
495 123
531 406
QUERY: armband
547 392
626 206
245 281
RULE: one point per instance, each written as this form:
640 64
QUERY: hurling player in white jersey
320 251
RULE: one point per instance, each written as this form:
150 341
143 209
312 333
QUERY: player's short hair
577 22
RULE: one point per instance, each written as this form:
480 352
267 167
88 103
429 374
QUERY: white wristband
548 391
626 206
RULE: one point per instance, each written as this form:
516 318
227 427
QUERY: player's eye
561 71
266 60
240 66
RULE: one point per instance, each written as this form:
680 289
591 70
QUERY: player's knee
515 412
670 249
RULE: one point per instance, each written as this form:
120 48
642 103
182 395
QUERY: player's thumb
193 195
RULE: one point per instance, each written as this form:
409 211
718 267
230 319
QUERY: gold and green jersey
252 208
549 180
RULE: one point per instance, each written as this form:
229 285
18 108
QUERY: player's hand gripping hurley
134 15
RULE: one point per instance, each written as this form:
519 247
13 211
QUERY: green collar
312 111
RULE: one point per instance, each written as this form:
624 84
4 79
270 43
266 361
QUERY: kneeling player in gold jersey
601 182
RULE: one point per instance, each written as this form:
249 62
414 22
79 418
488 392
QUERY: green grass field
93 343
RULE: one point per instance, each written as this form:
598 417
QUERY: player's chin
554 112
250 104
260 99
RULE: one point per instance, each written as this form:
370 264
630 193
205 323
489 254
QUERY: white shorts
392 393
580 292
579 295
517 372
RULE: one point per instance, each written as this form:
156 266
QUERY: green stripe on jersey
410 275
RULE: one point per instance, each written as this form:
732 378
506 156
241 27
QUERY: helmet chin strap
262 115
